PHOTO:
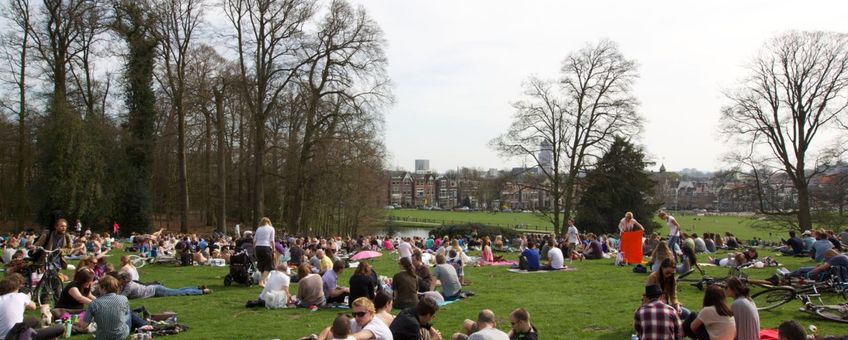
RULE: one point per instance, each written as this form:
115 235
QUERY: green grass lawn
744 228
595 302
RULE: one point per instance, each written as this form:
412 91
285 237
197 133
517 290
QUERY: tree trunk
258 162
22 196
181 154
222 165
804 217
207 178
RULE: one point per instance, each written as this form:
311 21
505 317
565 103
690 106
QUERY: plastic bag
275 299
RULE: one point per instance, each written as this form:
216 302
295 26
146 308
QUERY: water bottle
68 329
634 337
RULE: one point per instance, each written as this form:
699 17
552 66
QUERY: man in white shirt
572 236
12 307
405 249
555 259
486 327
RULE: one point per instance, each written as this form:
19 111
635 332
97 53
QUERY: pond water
398 232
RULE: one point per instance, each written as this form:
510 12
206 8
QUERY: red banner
631 245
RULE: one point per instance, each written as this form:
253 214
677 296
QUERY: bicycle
776 296
838 313
50 286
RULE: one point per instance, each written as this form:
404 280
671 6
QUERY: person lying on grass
364 324
135 290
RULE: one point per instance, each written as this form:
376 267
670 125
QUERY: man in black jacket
412 322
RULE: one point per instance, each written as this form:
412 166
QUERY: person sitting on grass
655 320
455 260
364 324
414 323
594 250
383 304
793 246
556 260
135 290
522 329
715 321
76 295
340 330
665 278
405 285
363 282
112 313
744 310
426 281
446 274
310 291
485 328
689 261
128 267
529 259
277 282
791 330
14 304
332 292
820 246
661 252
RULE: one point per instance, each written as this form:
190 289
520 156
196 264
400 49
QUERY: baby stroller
241 269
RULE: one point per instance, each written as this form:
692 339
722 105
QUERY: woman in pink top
387 244
487 250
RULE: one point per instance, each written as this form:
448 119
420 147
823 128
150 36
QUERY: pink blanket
499 263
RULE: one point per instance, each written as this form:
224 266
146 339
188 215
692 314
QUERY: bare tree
178 20
268 35
794 93
574 122
343 82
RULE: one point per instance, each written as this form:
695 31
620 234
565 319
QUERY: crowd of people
430 273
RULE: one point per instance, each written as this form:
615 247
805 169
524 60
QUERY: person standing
655 320
58 238
78 227
405 248
628 223
673 231
115 228
263 243
572 236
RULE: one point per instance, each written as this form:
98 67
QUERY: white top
719 327
264 236
405 249
557 260
489 334
378 329
624 225
8 253
672 227
12 308
349 337
571 234
132 271
277 281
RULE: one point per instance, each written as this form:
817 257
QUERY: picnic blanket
631 246
443 303
522 271
500 263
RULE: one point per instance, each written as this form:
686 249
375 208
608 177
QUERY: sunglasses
359 314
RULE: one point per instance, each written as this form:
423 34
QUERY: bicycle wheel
832 313
773 297
48 291
137 261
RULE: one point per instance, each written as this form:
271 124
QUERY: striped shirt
111 312
656 320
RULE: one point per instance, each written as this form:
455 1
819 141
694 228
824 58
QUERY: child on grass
341 328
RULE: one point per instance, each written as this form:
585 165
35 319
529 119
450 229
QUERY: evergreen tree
135 24
616 185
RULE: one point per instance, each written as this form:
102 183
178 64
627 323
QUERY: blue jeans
673 244
800 272
135 322
165 291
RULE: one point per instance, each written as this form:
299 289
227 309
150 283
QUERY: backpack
640 269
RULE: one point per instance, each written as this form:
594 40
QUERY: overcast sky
457 65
